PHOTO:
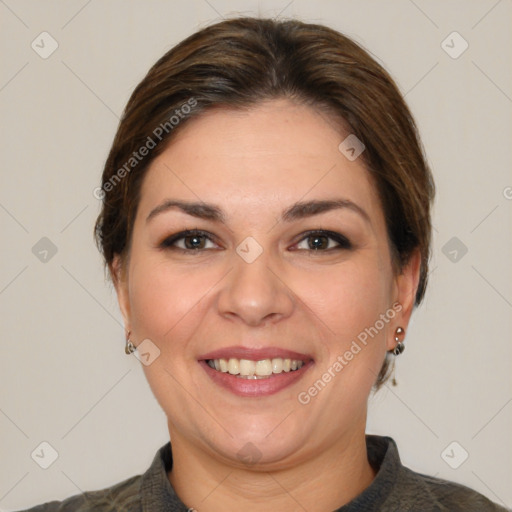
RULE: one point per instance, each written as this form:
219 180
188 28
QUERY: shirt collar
157 493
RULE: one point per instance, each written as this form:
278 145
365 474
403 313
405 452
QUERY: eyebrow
297 211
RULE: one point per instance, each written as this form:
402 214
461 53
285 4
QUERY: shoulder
134 494
454 496
402 489
443 495
123 496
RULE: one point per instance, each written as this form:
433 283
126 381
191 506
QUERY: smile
255 372
248 369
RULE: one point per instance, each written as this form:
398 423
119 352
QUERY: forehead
248 161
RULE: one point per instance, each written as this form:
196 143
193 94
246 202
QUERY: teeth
234 366
248 369
263 367
277 365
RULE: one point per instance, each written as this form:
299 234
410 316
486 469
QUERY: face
276 259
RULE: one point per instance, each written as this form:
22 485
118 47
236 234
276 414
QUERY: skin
254 164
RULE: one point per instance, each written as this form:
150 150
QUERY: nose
255 293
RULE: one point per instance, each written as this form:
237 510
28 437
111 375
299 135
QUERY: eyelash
168 243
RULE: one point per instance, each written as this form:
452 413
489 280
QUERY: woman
266 225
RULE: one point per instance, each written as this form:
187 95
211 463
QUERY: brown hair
240 62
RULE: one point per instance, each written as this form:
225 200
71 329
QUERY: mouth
255 372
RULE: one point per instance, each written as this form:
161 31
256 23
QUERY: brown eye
189 241
317 242
323 241
194 241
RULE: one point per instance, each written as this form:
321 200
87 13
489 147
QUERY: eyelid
167 242
342 241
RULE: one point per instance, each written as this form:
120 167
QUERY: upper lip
254 354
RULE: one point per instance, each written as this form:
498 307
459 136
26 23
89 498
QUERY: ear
119 275
405 287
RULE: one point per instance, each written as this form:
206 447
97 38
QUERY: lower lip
255 387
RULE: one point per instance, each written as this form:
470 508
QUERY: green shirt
394 489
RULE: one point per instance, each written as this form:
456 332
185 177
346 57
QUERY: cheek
165 300
349 298
166 307
354 302
152 300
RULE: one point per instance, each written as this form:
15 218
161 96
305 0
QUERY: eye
323 241
192 240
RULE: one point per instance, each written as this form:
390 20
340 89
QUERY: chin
261 442
258 454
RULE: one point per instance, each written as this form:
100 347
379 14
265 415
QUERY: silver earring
129 347
400 347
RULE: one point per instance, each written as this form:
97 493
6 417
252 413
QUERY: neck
333 478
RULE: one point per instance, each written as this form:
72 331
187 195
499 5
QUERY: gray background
64 376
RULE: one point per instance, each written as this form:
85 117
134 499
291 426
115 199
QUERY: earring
400 347
129 347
